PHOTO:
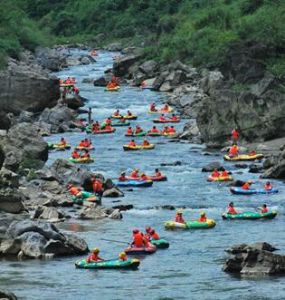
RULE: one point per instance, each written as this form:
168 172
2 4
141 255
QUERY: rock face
33 239
24 147
27 87
275 167
255 259
5 295
121 65
212 166
11 200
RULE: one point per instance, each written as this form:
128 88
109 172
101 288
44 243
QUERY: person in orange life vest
179 217
85 154
268 186
108 127
132 143
135 173
75 154
95 126
85 143
215 173
233 151
129 113
147 232
115 80
88 142
122 177
129 131
166 107
73 80
144 177
225 174
122 120
252 153
162 118
108 121
138 240
76 90
231 209
174 118
62 142
123 256
94 256
97 186
264 209
116 113
203 217
246 185
154 235
68 80
165 130
154 130
145 143
157 173
152 107
235 135
171 130
81 144
143 84
73 190
138 129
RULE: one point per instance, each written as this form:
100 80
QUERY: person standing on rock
235 135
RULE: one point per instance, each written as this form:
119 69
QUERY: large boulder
52 59
149 68
212 166
24 147
11 200
27 87
121 65
276 167
5 295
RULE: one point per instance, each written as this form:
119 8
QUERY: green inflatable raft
172 225
117 124
160 244
250 216
109 264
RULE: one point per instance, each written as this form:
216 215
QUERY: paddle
115 241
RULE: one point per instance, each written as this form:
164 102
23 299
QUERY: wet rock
121 65
253 168
241 166
277 170
254 259
8 179
32 244
174 164
27 87
6 295
93 213
149 68
114 47
123 207
11 200
270 162
51 59
237 183
113 192
51 214
191 133
86 60
74 102
116 215
103 80
212 166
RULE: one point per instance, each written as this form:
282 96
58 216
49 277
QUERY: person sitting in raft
179 217
116 113
123 256
252 153
154 130
157 173
75 154
162 118
85 154
268 186
122 177
81 144
225 174
165 130
87 142
95 126
264 209
129 131
135 173
94 256
108 121
215 173
132 143
145 143
97 186
171 130
138 129
152 107
144 177
129 114
138 240
246 185
73 190
122 120
166 107
235 135
62 142
233 151
231 209
174 118
147 232
154 235
203 217
76 90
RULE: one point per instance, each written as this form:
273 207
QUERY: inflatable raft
161 111
244 157
143 133
134 183
160 244
108 264
104 131
119 124
220 178
127 117
166 121
114 89
59 147
250 216
138 147
140 250
190 225
240 191
154 134
84 148
81 160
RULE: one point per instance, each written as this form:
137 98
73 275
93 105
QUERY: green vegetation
196 31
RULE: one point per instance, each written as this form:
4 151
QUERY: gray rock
121 66
11 200
113 193
116 215
149 68
51 214
114 47
51 59
74 102
103 80
253 168
33 244
212 166
6 295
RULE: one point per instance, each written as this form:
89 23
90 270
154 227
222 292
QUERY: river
192 267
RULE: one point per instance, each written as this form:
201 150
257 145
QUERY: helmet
250 182
123 173
122 255
231 204
135 231
202 213
95 250
179 211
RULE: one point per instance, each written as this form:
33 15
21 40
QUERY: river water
191 267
